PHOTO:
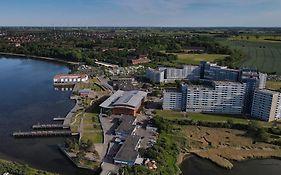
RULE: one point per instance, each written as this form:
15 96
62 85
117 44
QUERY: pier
50 126
58 119
44 134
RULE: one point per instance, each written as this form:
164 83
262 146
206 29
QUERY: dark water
27 97
197 166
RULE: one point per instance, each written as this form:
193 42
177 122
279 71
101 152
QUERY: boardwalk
50 126
68 117
44 134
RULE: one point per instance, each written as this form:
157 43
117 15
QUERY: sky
166 13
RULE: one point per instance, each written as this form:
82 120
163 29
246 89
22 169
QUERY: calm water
27 97
196 166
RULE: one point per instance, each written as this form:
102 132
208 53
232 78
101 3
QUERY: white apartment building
213 97
156 76
173 99
266 105
166 74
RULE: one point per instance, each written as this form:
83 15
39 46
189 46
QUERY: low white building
213 97
70 78
166 74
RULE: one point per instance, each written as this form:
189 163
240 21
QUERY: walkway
106 124
68 117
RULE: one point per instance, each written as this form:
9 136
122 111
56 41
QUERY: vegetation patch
196 58
221 145
264 56
19 169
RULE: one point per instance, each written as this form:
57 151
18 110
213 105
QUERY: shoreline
184 156
57 60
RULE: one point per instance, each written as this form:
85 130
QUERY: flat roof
130 98
177 90
267 91
124 98
128 151
108 102
59 76
226 82
127 124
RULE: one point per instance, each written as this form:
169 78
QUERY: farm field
258 38
196 58
186 59
265 56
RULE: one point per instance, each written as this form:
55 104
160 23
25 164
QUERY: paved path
106 125
68 117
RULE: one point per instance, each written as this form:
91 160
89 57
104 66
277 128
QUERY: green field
196 58
217 118
258 38
266 56
173 115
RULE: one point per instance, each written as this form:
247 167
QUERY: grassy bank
19 169
174 115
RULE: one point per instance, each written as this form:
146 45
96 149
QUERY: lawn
173 115
92 127
196 58
94 137
274 85
216 118
265 56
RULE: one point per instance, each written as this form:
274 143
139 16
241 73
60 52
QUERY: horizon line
92 26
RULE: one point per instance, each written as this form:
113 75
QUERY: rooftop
124 98
226 82
267 91
60 76
127 124
128 151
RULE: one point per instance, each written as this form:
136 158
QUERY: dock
58 119
50 126
44 134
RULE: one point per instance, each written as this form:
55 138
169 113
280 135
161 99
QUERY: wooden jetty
44 134
59 118
50 126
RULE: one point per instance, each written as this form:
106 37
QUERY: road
104 83
106 124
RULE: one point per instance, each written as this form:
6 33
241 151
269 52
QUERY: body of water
194 165
27 97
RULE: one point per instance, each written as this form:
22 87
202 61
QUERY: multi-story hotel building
266 105
210 97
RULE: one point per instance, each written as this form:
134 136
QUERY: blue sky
183 13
